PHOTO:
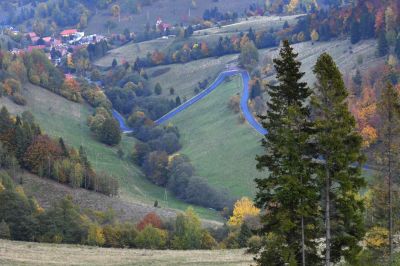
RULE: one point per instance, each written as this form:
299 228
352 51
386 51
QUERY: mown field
25 253
59 117
221 148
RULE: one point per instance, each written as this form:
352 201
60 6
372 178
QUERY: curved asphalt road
221 77
243 102
124 128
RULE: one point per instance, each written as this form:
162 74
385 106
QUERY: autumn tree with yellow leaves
243 208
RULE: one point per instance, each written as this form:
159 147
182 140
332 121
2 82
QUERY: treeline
22 218
195 50
22 144
360 20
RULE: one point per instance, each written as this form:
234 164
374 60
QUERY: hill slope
62 118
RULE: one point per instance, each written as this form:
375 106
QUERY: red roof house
69 32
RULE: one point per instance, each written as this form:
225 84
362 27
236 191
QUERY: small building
68 33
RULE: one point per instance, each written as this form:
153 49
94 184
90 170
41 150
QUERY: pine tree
4 230
383 45
397 47
114 63
288 194
244 235
64 149
355 34
389 144
178 101
339 160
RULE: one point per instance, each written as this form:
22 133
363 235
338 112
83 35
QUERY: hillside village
58 46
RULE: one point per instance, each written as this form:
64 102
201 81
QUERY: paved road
124 128
243 102
221 77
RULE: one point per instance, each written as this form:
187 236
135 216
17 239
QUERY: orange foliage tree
150 219
41 153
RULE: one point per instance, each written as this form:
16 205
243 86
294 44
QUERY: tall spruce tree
339 161
388 148
289 194
383 45
397 47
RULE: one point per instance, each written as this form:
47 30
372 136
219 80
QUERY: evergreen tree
255 90
114 63
4 230
244 235
6 126
383 45
251 35
397 47
158 89
339 160
289 193
388 148
64 149
355 34
357 79
178 101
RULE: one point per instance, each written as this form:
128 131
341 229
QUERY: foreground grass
61 118
25 253
221 148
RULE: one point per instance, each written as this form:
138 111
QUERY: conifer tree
64 149
388 148
4 230
397 47
289 194
383 45
339 161
355 34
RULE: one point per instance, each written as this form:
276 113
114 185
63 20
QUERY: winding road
221 77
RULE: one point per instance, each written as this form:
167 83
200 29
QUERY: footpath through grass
221 148
59 117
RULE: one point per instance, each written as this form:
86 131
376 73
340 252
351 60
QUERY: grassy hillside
221 148
25 253
171 11
59 117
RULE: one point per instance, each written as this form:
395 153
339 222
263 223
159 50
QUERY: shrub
18 99
151 238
